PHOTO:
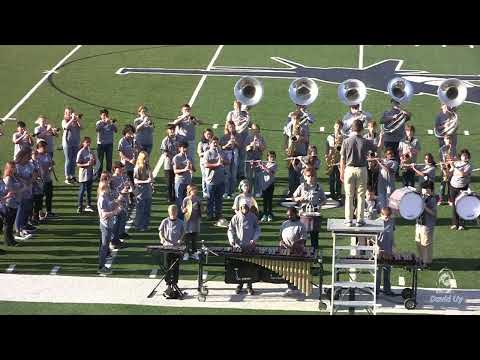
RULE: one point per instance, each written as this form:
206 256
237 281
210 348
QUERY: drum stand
174 286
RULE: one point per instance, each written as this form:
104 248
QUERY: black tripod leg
163 277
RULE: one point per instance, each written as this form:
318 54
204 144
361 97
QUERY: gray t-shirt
117 183
292 233
46 136
45 163
386 237
214 176
355 150
186 129
399 133
169 148
386 177
460 182
105 203
349 118
144 133
3 192
15 186
23 144
269 176
313 193
429 172
300 148
84 173
426 219
143 191
125 146
241 121
25 173
372 209
71 134
105 132
406 145
257 141
171 231
179 162
193 224
243 228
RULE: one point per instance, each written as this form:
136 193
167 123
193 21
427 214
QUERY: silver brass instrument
451 92
303 91
352 92
401 91
248 90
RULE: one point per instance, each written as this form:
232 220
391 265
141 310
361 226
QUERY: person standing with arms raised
353 171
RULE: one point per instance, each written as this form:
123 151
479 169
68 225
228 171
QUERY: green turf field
87 82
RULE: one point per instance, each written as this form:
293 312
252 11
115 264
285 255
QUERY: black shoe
239 289
122 245
250 291
104 271
30 227
125 236
2 252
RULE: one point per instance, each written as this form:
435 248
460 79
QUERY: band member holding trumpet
353 114
169 150
202 147
185 128
22 139
126 150
269 169
105 129
120 186
85 162
427 171
71 125
447 155
230 144
143 180
353 171
445 124
46 132
333 145
311 197
254 147
461 171
293 235
241 119
108 209
295 146
393 122
377 139
214 160
144 126
46 165
408 148
243 232
183 169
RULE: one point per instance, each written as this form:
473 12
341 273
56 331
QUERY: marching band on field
366 161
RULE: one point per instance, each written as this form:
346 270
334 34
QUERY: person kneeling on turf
171 231
243 232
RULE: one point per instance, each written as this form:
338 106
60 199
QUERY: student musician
85 162
408 148
202 147
120 186
311 161
185 128
21 138
46 165
254 147
143 180
245 189
241 119
230 143
447 154
106 130
296 139
353 114
333 146
144 127
171 232
377 139
183 169
10 199
461 171
306 118
45 131
71 125
25 170
37 187
386 178
243 233
385 243
311 197
293 235
427 171
442 120
268 172
169 150
424 229
192 212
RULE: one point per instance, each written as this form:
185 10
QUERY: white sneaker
185 257
269 218
88 209
195 257
23 235
461 227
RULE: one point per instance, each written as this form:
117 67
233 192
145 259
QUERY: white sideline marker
194 96
401 281
153 274
37 85
215 126
10 268
471 46
430 132
360 56
322 129
444 45
466 132
55 270
416 45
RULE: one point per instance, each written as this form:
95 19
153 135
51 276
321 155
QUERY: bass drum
468 205
408 202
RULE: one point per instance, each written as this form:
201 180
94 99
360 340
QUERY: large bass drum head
468 207
411 206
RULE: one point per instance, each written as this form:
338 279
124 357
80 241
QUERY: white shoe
195 257
185 257
461 227
88 209
269 218
23 235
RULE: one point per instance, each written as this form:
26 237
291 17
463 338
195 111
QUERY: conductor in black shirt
353 172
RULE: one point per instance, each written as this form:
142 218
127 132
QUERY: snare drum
408 202
467 205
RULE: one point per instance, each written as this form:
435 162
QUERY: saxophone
333 157
293 139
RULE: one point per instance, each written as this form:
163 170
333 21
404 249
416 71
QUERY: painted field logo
445 295
375 76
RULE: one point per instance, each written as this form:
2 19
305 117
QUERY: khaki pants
355 183
424 240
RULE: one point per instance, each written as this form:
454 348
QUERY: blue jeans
254 176
142 217
180 193
102 150
242 155
147 148
24 211
70 153
119 227
204 176
85 187
215 199
231 177
293 180
386 278
106 236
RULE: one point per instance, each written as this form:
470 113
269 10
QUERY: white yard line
360 56
194 96
32 90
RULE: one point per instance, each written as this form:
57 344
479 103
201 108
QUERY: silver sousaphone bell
401 91
352 92
248 90
303 91
451 92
